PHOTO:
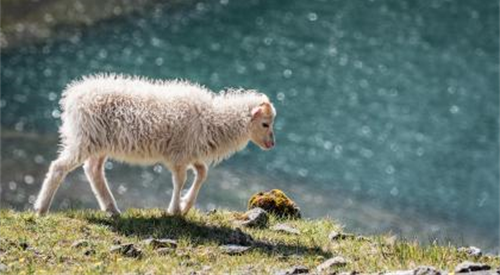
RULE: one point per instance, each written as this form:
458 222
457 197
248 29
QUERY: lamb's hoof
185 207
113 213
174 211
40 212
184 211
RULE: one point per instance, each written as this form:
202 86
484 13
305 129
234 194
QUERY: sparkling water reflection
388 110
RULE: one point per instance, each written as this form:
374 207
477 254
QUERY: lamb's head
261 125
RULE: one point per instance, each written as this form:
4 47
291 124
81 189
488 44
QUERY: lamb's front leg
189 199
179 174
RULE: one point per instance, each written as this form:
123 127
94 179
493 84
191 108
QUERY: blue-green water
388 111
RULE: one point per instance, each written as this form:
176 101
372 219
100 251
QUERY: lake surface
388 111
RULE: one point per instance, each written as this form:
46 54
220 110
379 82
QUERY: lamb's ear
256 112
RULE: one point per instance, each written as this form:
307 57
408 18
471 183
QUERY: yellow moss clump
275 202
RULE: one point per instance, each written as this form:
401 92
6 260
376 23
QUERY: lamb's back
132 114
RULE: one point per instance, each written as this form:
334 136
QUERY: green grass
31 244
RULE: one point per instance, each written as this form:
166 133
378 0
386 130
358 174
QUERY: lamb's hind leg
58 170
94 169
189 199
178 179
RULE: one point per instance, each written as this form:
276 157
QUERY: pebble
3 267
467 266
80 243
334 236
471 251
336 261
298 269
165 250
286 229
256 217
426 270
400 272
127 249
233 249
240 238
160 243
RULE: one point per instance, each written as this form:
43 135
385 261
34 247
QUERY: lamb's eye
265 125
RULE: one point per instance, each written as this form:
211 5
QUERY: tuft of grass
43 245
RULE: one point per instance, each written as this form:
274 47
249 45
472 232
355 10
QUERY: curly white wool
177 123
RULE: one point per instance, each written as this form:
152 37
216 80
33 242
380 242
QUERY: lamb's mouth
268 145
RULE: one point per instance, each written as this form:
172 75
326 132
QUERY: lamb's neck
229 131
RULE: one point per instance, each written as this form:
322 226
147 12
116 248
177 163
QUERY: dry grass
33 245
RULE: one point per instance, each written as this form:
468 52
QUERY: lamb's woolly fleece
146 121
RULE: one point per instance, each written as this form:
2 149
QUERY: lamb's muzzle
176 123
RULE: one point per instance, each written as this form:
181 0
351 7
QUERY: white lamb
176 123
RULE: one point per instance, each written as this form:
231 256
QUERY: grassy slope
199 235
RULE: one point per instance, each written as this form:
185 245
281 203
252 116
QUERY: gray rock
483 272
80 243
256 217
421 270
426 270
127 249
335 236
165 250
400 272
298 269
3 267
286 229
471 251
160 243
240 238
467 266
233 249
336 261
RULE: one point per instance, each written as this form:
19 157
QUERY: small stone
3 267
240 238
233 249
127 249
400 272
471 251
255 217
286 229
80 243
426 270
335 236
336 261
298 269
165 250
467 266
160 243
